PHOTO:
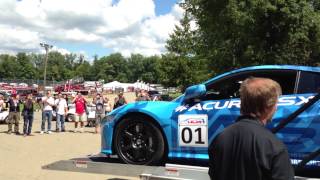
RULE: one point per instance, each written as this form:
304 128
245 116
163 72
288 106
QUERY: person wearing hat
14 113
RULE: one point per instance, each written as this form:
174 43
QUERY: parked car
4 113
154 95
72 111
150 132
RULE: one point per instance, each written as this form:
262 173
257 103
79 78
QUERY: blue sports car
150 132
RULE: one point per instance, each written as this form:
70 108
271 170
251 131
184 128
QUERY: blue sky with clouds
88 27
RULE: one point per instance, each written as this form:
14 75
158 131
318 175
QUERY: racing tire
139 141
70 118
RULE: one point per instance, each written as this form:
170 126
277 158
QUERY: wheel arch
149 118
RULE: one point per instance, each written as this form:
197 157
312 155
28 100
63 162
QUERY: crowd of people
58 105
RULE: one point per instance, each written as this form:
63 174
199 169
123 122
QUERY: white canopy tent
115 84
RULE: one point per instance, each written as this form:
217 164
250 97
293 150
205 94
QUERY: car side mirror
195 91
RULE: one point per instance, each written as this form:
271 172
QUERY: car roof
266 67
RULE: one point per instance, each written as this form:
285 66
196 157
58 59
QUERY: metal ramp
112 166
99 165
176 172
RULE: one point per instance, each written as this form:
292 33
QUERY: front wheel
139 141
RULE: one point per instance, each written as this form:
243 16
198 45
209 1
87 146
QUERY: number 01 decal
193 130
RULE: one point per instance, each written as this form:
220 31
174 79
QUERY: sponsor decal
193 130
193 121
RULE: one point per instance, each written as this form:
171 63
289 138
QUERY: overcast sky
88 26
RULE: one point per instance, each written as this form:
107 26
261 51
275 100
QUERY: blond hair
257 95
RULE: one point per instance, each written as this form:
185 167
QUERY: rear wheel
139 141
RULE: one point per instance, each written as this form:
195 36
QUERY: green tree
180 72
8 66
184 66
26 70
242 33
183 40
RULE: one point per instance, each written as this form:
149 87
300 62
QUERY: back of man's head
258 96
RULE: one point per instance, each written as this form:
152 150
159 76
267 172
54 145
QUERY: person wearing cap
48 103
14 113
247 150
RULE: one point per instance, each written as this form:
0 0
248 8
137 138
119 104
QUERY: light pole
46 47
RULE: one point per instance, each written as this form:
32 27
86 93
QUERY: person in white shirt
1 102
48 103
61 109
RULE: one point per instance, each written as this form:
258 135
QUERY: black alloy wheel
139 141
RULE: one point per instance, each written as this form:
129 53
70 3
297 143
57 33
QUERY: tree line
114 67
213 36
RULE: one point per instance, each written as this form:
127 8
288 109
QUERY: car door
301 135
199 121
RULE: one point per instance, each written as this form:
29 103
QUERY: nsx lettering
283 101
293 100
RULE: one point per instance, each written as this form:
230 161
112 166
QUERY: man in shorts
80 116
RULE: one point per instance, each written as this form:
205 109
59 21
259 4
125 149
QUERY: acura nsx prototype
150 132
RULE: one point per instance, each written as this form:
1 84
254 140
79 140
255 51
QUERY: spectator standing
27 113
61 110
48 103
143 96
99 101
1 102
108 106
247 150
14 113
119 101
67 99
80 116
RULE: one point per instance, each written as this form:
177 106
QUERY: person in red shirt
80 104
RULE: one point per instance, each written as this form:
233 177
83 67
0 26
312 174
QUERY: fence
30 82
